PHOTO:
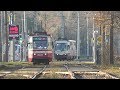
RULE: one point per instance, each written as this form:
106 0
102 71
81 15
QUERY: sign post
13 36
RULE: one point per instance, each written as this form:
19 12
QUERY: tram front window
40 44
61 47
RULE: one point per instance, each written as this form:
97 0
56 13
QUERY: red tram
40 48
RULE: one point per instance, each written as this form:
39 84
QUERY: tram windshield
40 43
61 46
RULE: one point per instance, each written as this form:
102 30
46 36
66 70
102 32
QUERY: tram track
62 71
72 76
37 75
24 73
87 72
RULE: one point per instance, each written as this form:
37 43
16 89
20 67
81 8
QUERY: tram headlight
45 47
45 54
34 54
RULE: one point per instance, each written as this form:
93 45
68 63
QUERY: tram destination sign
13 32
39 38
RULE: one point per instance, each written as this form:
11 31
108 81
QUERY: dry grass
59 63
13 65
16 63
15 77
51 74
112 70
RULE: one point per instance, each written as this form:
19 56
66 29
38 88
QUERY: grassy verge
111 69
13 65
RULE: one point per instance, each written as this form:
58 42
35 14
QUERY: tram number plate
40 55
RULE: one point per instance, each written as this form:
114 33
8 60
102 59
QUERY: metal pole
6 29
12 22
22 35
36 26
11 18
20 53
87 38
62 26
14 40
94 42
45 20
24 38
12 43
2 35
78 38
35 20
13 49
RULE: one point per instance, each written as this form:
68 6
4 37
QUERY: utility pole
45 20
14 40
2 36
11 51
94 54
24 37
78 37
87 37
12 43
111 38
6 29
36 21
62 25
